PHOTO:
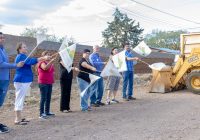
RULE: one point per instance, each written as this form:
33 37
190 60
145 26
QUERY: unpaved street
151 117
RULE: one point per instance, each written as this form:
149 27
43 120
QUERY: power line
143 17
146 18
161 21
178 17
149 19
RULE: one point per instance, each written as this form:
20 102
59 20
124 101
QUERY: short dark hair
86 50
125 43
1 33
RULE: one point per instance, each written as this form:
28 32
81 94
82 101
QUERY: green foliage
164 39
32 32
122 29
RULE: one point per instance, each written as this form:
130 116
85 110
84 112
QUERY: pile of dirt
142 79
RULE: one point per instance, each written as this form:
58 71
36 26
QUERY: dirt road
151 117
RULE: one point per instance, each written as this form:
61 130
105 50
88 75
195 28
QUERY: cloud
81 8
21 12
84 20
4 2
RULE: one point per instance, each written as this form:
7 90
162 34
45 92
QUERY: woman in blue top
23 79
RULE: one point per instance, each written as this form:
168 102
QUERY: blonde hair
44 53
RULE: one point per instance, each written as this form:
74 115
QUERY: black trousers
65 86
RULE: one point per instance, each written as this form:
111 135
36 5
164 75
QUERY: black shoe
95 105
20 123
131 98
3 130
4 126
25 120
101 104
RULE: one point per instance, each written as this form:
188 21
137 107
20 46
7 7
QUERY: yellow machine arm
185 73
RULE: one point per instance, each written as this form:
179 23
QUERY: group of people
90 63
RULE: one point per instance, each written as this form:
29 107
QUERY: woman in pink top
45 79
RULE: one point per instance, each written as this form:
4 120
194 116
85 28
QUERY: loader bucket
161 82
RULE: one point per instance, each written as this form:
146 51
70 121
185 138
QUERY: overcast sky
86 19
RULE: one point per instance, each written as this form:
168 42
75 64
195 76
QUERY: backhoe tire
193 81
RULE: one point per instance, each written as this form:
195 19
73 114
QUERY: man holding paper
128 75
5 67
97 62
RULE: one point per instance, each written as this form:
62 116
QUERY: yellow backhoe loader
185 72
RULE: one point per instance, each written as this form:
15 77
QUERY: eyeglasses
2 37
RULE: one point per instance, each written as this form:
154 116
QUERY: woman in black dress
65 85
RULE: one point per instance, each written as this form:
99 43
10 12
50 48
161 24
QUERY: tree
122 29
32 32
164 39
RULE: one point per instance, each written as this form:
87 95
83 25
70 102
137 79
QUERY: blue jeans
3 90
83 99
45 100
127 81
99 86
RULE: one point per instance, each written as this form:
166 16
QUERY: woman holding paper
65 86
113 83
45 79
83 79
23 79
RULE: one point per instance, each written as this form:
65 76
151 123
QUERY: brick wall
139 68
11 42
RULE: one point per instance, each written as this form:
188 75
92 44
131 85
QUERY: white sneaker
108 102
43 116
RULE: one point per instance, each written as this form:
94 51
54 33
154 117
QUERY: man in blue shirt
5 67
97 62
128 75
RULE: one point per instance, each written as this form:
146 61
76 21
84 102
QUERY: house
53 47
